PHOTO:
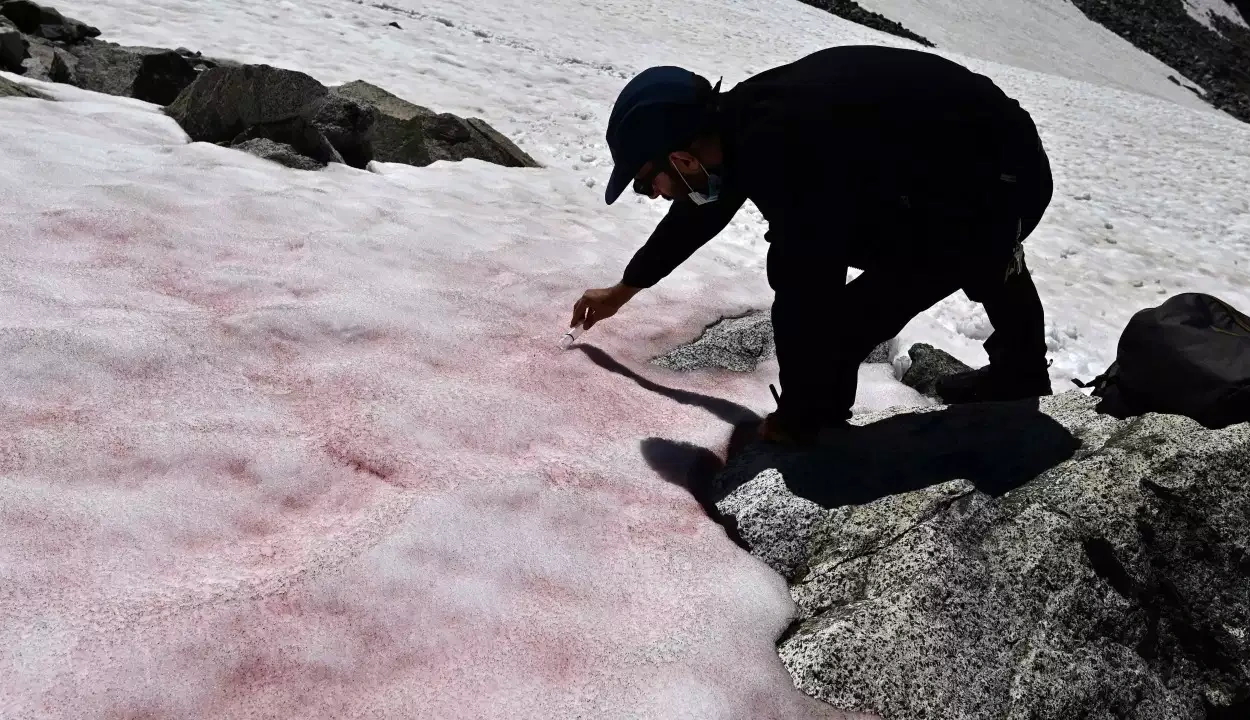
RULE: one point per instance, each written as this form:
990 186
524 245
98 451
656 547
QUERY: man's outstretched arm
686 228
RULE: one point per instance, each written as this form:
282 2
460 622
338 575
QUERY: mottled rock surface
1030 561
739 344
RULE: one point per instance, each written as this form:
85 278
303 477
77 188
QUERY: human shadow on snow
996 446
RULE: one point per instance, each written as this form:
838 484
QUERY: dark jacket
848 153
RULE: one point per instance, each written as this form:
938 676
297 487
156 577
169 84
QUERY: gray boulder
739 344
279 153
13 47
879 354
46 22
414 135
354 124
928 364
200 63
298 134
390 107
348 125
49 62
494 144
8 88
154 75
223 102
1030 560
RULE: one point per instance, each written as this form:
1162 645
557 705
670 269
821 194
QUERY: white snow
287 444
1201 10
1050 36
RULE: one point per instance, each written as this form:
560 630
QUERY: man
905 165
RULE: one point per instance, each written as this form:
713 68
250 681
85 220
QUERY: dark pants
891 300
976 254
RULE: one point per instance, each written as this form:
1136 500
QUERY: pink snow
284 444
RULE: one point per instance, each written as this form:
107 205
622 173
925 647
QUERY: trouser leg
1018 343
878 304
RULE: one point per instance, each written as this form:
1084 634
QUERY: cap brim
622 177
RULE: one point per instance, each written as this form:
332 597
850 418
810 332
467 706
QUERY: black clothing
898 162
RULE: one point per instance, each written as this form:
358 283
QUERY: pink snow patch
282 444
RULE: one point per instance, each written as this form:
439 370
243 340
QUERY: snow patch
1049 37
301 444
1201 10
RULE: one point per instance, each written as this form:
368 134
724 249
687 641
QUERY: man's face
661 178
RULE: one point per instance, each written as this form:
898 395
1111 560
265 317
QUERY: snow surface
288 444
285 444
1201 11
1050 36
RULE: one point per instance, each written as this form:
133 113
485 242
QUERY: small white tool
570 336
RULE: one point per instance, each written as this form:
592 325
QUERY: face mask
713 189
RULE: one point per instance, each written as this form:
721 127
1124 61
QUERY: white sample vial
570 336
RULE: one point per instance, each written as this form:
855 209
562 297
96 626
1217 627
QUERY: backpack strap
1100 383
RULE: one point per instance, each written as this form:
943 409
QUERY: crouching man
903 164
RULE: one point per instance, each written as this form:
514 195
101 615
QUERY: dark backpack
1190 356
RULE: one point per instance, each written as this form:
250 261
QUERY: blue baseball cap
658 112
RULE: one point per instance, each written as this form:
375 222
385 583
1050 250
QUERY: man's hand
596 305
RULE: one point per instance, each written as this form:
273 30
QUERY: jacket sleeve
686 228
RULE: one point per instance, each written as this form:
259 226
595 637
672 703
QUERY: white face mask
713 188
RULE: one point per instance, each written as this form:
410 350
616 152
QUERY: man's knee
991 276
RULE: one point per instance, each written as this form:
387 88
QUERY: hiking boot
989 384
773 431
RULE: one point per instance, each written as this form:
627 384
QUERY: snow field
1041 35
278 444
301 444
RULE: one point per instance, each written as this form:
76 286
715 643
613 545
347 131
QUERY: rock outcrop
414 135
278 152
348 125
1009 560
928 364
48 62
302 123
14 48
353 124
224 102
45 22
1217 58
739 344
853 11
42 44
153 75
8 88
298 134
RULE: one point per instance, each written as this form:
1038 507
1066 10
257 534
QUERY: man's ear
684 162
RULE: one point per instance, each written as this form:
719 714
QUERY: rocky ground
1014 560
739 344
851 10
1217 59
